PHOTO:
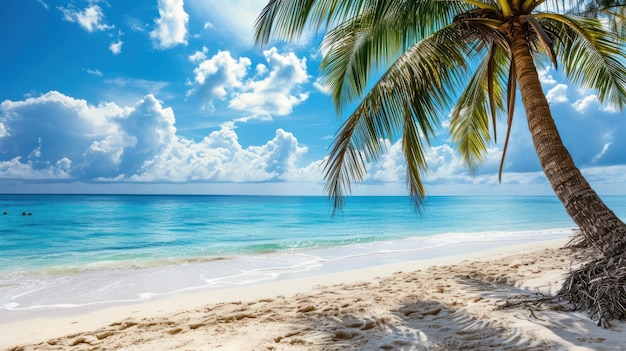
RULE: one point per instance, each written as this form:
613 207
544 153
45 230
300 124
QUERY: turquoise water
154 245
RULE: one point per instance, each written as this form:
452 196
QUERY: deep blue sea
78 250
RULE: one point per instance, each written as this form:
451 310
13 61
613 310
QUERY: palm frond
410 98
491 65
529 5
592 56
511 90
284 19
287 19
544 39
469 123
374 39
613 11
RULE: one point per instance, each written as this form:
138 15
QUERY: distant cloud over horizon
111 143
108 142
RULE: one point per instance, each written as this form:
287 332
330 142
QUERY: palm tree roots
598 287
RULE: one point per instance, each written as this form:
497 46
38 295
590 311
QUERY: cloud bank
55 136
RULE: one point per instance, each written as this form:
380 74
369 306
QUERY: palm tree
614 10
469 57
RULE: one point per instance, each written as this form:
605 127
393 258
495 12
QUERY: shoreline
107 283
70 326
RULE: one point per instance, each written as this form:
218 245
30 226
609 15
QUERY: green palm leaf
287 19
411 98
373 40
592 56
469 123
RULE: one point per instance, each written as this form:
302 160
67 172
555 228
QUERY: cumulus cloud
46 130
591 102
116 48
199 55
219 75
219 157
274 94
274 89
391 167
557 94
585 103
447 173
545 77
55 136
171 26
15 169
91 18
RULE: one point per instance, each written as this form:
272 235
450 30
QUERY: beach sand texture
448 304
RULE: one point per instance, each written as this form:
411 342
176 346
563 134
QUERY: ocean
66 251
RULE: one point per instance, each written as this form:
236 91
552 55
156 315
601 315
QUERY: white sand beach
449 303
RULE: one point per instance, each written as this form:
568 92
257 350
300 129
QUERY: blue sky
161 96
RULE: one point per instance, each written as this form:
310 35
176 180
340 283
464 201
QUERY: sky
173 97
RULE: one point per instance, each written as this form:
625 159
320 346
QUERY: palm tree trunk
598 285
600 227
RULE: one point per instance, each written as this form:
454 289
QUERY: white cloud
586 103
557 94
545 77
46 6
322 87
391 167
274 89
447 174
612 175
15 169
91 18
55 136
219 157
591 102
276 93
116 48
94 72
215 77
50 128
208 25
171 27
199 56
598 157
